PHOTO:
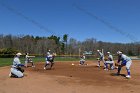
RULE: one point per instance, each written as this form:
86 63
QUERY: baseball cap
108 52
19 54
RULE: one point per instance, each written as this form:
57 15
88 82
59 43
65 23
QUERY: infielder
82 60
109 61
28 60
16 70
49 60
124 60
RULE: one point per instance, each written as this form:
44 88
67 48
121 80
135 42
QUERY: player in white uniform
49 60
28 60
109 61
16 70
124 60
101 58
82 60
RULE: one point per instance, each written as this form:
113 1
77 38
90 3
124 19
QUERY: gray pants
16 72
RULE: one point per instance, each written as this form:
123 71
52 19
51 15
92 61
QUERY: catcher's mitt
106 59
116 64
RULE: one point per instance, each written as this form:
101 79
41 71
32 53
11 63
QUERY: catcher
109 61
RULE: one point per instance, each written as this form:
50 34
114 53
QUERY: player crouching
49 60
16 70
82 60
28 59
109 61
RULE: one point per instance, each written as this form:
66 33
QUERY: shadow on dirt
115 74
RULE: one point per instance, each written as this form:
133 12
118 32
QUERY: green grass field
9 61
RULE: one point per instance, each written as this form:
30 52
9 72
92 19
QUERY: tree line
10 44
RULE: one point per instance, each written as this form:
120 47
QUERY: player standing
101 58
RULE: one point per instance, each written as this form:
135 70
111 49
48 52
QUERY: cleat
10 75
106 69
128 76
33 66
98 66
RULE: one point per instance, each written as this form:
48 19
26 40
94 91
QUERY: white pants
26 63
109 62
16 72
47 62
128 64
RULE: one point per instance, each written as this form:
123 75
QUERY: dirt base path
67 78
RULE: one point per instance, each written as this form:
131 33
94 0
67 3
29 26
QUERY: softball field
68 78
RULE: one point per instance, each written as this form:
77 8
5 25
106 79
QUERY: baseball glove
106 59
116 64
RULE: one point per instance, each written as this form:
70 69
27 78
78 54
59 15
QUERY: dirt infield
67 78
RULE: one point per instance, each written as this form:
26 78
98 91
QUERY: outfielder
109 61
124 60
16 70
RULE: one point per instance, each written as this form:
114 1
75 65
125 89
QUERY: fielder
49 60
101 58
109 61
16 70
28 60
82 60
124 60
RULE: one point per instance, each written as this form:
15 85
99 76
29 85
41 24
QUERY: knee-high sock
106 65
46 64
98 63
119 69
111 66
128 71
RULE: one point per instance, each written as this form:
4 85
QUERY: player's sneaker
112 68
33 66
98 65
44 67
106 69
128 76
10 74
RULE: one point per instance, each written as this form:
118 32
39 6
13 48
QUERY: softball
72 64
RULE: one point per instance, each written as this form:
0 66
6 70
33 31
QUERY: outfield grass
9 61
5 61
